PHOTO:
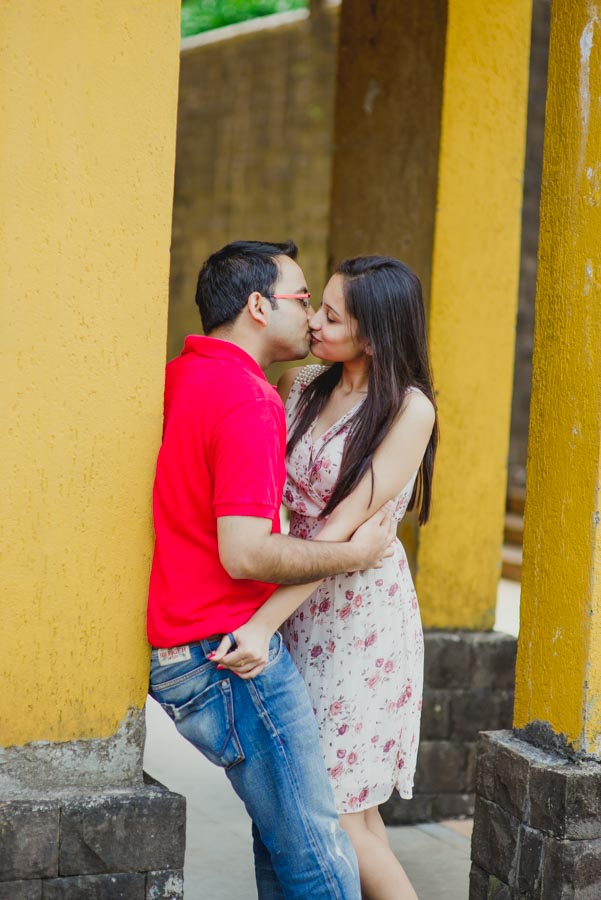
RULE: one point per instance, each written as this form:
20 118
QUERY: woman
362 432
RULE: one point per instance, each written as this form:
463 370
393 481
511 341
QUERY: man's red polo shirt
223 454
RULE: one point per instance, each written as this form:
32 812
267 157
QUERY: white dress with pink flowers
357 640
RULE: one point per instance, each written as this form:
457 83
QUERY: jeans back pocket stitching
221 689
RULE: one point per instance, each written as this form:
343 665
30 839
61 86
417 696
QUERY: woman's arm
395 461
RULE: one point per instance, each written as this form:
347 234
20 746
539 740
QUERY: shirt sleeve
248 458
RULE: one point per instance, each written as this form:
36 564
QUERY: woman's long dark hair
385 297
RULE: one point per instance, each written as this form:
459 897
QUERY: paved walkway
219 853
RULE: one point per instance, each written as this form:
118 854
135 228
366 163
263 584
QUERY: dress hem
407 794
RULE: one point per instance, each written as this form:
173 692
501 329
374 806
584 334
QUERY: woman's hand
252 650
378 535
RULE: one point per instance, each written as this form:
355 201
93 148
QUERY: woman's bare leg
374 822
382 875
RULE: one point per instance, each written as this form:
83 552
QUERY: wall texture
87 101
253 151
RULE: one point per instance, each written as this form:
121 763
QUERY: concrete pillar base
468 688
537 826
106 844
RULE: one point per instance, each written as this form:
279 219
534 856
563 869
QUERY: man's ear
256 305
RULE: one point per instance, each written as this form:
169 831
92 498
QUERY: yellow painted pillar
559 652
429 142
88 97
473 306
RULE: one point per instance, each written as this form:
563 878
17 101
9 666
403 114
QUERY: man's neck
244 341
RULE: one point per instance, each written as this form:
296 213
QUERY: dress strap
308 374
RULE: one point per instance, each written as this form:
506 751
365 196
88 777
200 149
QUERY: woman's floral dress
357 640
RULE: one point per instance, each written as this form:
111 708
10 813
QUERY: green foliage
203 15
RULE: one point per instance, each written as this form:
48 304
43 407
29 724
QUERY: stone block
478 883
511 775
537 821
583 802
547 800
120 886
165 885
494 655
441 768
29 839
486 766
405 812
529 861
494 840
436 712
21 890
447 660
123 831
480 710
571 869
565 800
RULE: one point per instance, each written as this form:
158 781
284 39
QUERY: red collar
217 349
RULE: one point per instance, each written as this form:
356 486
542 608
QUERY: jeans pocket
276 647
207 721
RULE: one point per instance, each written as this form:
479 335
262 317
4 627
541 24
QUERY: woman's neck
354 378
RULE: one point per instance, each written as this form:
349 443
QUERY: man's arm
394 462
248 549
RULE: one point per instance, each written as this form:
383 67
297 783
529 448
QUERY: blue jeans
263 732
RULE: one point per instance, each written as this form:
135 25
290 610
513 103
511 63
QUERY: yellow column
473 306
559 653
88 96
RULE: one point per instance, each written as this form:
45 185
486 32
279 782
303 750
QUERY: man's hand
251 654
377 535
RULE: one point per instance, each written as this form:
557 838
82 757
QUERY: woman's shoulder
418 405
298 377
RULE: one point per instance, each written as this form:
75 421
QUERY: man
219 556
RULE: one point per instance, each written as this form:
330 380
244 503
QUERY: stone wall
537 829
125 844
468 687
253 150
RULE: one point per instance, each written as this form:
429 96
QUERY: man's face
288 331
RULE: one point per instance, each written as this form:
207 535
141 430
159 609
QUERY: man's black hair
232 273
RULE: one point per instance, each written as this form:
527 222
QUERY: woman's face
333 329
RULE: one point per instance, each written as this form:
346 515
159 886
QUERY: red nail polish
221 667
211 655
